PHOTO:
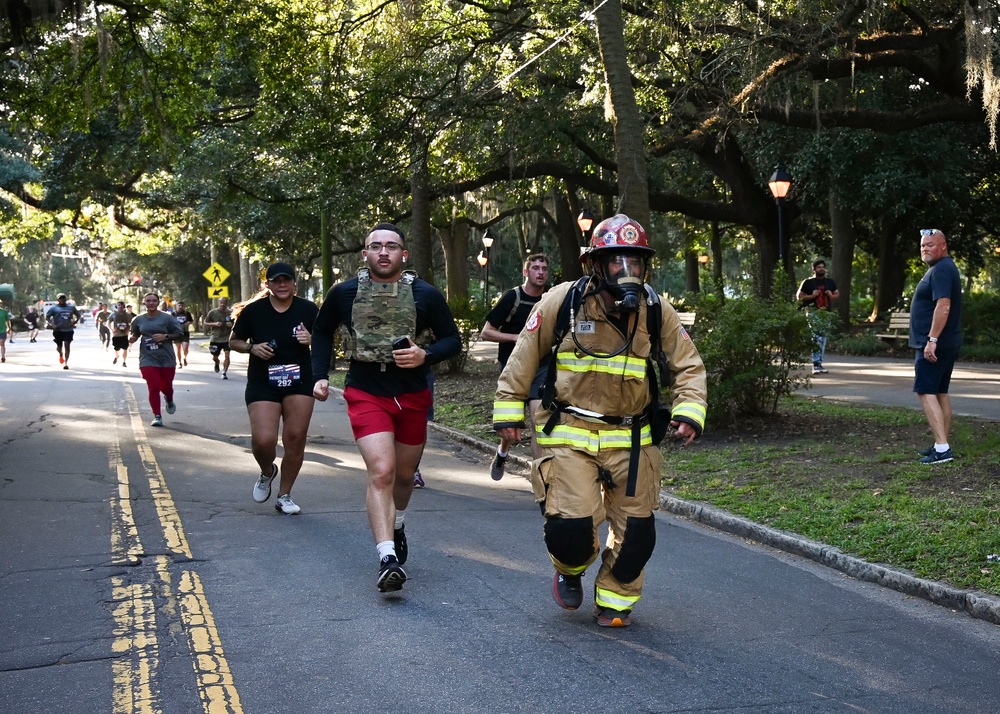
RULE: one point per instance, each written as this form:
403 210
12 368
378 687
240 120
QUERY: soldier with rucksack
503 325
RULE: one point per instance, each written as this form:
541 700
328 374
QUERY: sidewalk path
975 387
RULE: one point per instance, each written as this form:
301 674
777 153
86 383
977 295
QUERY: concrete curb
976 604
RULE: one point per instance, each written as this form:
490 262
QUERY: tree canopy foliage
241 123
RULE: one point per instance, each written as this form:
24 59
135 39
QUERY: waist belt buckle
627 421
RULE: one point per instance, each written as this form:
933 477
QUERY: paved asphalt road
138 575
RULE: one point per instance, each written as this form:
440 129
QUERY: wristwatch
931 339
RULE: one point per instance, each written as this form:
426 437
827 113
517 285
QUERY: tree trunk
455 244
692 281
717 273
844 240
630 148
569 238
420 248
325 250
891 272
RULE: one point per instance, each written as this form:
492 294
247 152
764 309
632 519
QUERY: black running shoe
497 467
399 539
567 591
390 575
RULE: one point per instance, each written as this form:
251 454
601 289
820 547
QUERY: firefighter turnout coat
599 462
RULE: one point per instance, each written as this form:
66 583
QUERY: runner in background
119 323
101 318
156 330
220 321
185 319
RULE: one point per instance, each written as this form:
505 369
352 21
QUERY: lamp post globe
780 183
585 221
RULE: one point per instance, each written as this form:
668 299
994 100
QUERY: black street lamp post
487 244
780 183
483 262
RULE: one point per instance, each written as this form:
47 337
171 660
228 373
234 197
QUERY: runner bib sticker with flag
284 375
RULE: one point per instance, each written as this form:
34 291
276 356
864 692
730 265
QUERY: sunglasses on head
928 231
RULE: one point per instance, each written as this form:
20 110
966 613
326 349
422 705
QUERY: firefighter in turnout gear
599 425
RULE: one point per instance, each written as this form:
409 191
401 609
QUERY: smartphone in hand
401 343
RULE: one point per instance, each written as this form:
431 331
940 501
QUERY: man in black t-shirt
936 336
503 325
818 293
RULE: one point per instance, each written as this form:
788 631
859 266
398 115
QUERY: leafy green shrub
863 345
980 353
470 315
752 349
979 319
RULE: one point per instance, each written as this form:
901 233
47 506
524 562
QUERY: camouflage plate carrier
382 313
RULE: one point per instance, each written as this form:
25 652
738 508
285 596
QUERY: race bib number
284 375
149 344
181 319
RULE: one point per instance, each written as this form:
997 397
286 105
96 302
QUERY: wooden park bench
899 327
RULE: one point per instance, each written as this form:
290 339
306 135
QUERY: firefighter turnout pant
580 489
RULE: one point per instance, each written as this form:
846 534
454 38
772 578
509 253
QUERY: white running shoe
262 489
286 505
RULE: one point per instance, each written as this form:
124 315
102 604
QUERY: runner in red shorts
382 310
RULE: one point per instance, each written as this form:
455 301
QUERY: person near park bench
936 336
818 293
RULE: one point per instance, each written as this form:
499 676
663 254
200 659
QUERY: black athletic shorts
120 343
267 393
218 347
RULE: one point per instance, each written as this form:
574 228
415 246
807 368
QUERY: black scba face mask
623 275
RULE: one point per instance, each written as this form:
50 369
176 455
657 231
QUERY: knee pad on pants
570 540
637 548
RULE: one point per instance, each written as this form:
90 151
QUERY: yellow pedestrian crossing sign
216 274
218 291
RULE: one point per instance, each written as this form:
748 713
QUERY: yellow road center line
126 547
170 520
136 649
135 675
215 679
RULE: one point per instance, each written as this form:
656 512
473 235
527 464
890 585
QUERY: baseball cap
276 270
60 296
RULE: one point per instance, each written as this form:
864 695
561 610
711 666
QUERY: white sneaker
171 407
157 421
286 505
262 489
